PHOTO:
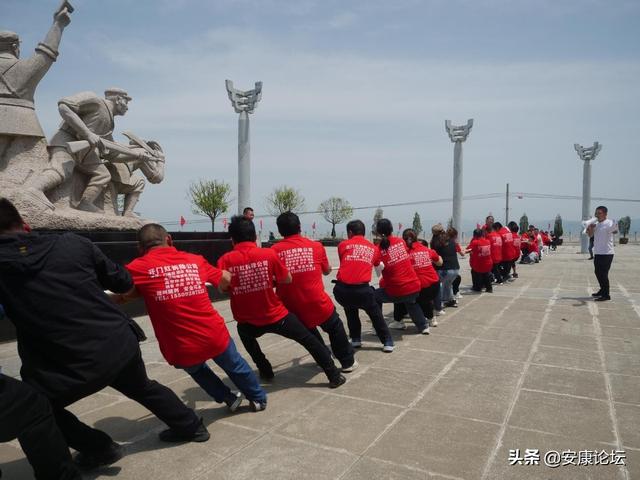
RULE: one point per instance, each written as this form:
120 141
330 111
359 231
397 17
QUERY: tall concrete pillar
244 103
586 155
457 134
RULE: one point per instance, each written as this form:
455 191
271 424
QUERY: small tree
379 215
335 210
417 224
284 199
624 225
557 226
524 223
209 198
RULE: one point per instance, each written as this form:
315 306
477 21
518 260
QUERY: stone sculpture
244 103
457 134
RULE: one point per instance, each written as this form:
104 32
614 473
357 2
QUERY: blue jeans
409 301
238 371
446 281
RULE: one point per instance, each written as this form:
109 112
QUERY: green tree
284 199
524 223
209 198
557 226
335 210
379 215
417 224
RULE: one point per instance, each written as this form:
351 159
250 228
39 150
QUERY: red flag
224 223
313 226
182 221
399 226
260 224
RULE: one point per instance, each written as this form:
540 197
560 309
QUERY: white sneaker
434 322
350 368
459 295
425 331
387 348
439 312
397 325
356 343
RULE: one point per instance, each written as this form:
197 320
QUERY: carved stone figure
91 118
20 130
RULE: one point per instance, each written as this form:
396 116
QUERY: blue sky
356 93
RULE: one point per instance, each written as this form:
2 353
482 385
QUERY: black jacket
71 338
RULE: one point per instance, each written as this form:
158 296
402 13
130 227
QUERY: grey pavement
537 365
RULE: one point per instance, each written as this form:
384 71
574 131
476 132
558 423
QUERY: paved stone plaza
535 365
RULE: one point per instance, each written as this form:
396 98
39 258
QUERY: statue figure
90 118
123 180
19 79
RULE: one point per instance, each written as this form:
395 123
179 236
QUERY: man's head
513 226
478 233
242 230
248 213
489 221
601 213
10 43
10 219
288 224
496 226
120 99
153 235
355 227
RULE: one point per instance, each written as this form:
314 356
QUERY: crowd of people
74 340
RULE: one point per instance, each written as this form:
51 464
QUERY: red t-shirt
524 242
480 259
516 243
546 240
398 277
305 296
356 259
253 270
422 259
509 251
496 246
533 245
172 283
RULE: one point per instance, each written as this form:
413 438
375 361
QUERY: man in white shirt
602 233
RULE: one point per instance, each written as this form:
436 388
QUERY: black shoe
515 275
489 290
257 406
233 401
603 298
173 436
91 460
597 294
451 303
341 380
266 372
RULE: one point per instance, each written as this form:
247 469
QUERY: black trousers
602 264
289 327
425 300
133 382
497 272
361 296
481 280
27 415
505 269
455 285
340 344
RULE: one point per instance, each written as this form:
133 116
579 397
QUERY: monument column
587 155
244 103
457 134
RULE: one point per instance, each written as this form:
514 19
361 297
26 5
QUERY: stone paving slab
536 365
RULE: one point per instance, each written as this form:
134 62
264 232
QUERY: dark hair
356 227
488 217
10 218
452 232
513 226
288 224
409 236
603 208
384 229
496 226
151 235
478 233
242 229
247 209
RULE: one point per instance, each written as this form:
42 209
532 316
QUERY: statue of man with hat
86 116
20 77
